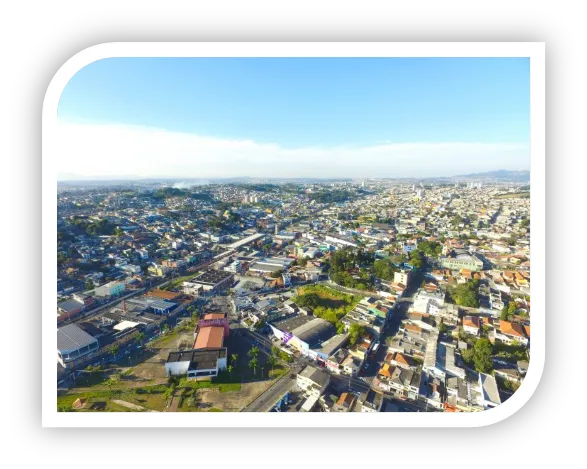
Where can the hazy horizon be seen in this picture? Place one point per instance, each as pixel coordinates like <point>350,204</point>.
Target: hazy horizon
<point>294,118</point>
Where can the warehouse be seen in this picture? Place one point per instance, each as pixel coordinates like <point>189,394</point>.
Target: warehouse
<point>196,364</point>
<point>72,343</point>
<point>214,280</point>
<point>303,332</point>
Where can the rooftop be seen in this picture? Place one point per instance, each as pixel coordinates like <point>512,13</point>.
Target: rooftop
<point>210,337</point>
<point>71,337</point>
<point>212,277</point>
<point>314,374</point>
<point>199,359</point>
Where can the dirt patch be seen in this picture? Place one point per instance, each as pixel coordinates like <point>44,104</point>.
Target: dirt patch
<point>232,401</point>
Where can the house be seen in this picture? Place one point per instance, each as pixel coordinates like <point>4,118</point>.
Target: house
<point>371,401</point>
<point>312,381</point>
<point>471,325</point>
<point>508,374</point>
<point>406,382</point>
<point>511,332</point>
<point>345,403</point>
<point>196,364</point>
<point>403,361</point>
<point>73,343</point>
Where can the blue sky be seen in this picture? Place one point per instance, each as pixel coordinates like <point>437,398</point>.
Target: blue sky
<point>470,113</point>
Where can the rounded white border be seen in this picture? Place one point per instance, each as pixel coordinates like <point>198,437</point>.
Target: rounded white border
<point>536,53</point>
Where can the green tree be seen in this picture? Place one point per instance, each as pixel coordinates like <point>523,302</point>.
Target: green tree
<point>253,352</point>
<point>89,284</point>
<point>234,358</point>
<point>230,368</point>
<point>356,331</point>
<point>253,363</point>
<point>113,349</point>
<point>416,259</point>
<point>276,274</point>
<point>482,355</point>
<point>140,337</point>
<point>272,360</point>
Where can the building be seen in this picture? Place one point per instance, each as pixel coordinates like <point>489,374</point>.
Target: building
<point>213,280</point>
<point>462,260</point>
<point>312,381</point>
<point>110,289</point>
<point>73,343</point>
<point>489,391</point>
<point>236,267</point>
<point>371,401</point>
<point>303,333</point>
<point>209,337</point>
<point>402,277</point>
<point>197,364</point>
<point>471,325</point>
<point>429,302</point>
<point>511,332</point>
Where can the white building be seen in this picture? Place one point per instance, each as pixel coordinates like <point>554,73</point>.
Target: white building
<point>489,391</point>
<point>110,289</point>
<point>401,277</point>
<point>196,364</point>
<point>312,381</point>
<point>73,343</point>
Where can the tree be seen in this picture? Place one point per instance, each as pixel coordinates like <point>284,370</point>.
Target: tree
<point>234,358</point>
<point>416,259</point>
<point>272,360</point>
<point>482,356</point>
<point>230,368</point>
<point>140,337</point>
<point>253,352</point>
<point>89,284</point>
<point>356,331</point>
<point>442,328</point>
<point>253,363</point>
<point>113,349</point>
<point>275,351</point>
<point>276,274</point>
<point>303,261</point>
<point>340,328</point>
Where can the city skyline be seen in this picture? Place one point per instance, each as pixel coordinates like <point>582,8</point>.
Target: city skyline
<point>277,118</point>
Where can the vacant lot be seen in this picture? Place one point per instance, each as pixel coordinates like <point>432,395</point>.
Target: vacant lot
<point>145,386</point>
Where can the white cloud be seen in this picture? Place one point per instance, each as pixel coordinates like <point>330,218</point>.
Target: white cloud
<point>89,150</point>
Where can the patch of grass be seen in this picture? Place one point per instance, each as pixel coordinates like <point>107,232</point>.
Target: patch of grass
<point>278,372</point>
<point>229,387</point>
<point>215,409</point>
<point>90,379</point>
<point>177,282</point>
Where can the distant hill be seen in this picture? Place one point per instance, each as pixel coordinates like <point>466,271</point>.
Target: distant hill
<point>500,174</point>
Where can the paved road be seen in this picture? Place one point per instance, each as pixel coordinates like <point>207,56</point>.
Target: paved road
<point>266,401</point>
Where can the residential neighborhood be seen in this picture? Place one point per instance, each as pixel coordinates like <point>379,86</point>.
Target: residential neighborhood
<point>366,295</point>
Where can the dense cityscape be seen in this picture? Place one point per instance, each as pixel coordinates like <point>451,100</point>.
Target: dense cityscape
<point>357,295</point>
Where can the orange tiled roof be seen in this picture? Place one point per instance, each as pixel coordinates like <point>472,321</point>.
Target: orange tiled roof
<point>511,328</point>
<point>471,321</point>
<point>209,337</point>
